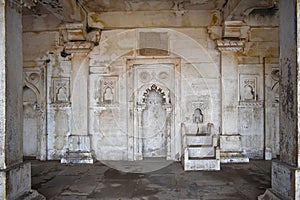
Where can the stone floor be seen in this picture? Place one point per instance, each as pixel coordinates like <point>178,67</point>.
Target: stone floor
<point>97,181</point>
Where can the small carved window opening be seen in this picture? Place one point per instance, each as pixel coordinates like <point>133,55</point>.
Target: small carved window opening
<point>61,95</point>
<point>108,95</point>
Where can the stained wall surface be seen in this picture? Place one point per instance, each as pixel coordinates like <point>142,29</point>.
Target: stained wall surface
<point>183,59</point>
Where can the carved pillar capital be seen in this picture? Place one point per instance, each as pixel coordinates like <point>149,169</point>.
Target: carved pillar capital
<point>73,38</point>
<point>78,47</point>
<point>235,45</point>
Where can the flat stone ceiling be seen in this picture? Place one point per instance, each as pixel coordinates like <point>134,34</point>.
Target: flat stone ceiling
<point>65,7</point>
<point>151,5</point>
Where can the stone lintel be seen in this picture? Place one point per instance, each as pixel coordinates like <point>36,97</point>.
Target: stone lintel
<point>235,45</point>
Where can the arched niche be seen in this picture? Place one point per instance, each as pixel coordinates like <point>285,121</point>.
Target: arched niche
<point>30,122</point>
<point>154,122</point>
<point>34,108</point>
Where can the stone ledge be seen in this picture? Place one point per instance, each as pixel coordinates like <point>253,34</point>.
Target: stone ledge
<point>243,159</point>
<point>77,158</point>
<point>202,165</point>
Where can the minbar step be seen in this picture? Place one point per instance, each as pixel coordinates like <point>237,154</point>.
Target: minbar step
<point>198,140</point>
<point>201,152</point>
<point>202,165</point>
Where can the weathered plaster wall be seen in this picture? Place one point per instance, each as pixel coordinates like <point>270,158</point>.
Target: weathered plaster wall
<point>258,118</point>
<point>200,85</point>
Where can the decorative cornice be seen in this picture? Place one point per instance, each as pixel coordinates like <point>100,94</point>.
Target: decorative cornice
<point>60,105</point>
<point>79,47</point>
<point>251,103</point>
<point>235,45</point>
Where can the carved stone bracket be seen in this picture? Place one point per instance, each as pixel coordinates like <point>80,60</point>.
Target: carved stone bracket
<point>235,45</point>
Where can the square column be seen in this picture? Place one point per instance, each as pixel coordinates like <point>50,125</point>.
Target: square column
<point>15,175</point>
<point>286,171</point>
<point>79,145</point>
<point>230,140</point>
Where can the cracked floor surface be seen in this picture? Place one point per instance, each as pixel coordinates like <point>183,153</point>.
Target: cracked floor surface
<point>97,181</point>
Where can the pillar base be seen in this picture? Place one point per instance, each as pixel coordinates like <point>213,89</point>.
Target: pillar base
<point>16,183</point>
<point>285,180</point>
<point>231,149</point>
<point>79,150</point>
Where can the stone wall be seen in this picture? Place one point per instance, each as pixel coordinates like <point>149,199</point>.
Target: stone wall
<point>197,85</point>
<point>111,109</point>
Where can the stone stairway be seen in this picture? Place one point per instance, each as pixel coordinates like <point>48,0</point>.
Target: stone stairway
<point>201,152</point>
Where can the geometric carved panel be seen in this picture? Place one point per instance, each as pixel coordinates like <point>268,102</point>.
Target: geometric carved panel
<point>60,90</point>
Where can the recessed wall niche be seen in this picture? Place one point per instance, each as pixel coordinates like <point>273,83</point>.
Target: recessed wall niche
<point>248,87</point>
<point>106,91</point>
<point>60,90</point>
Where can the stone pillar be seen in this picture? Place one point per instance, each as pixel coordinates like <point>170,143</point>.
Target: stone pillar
<point>286,171</point>
<point>230,140</point>
<point>79,146</point>
<point>15,175</point>
<point>168,109</point>
<point>139,139</point>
